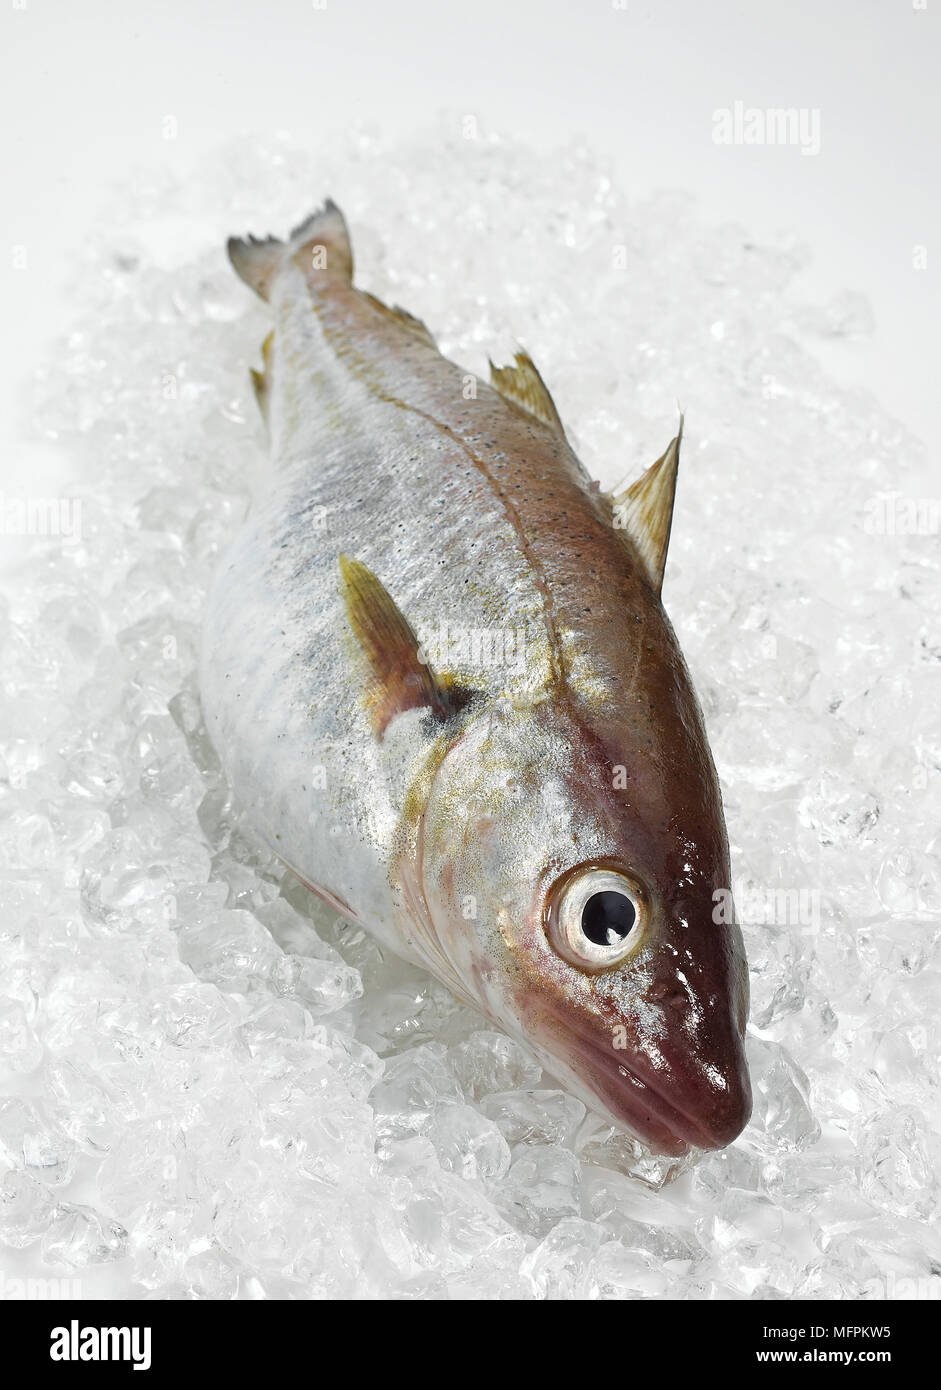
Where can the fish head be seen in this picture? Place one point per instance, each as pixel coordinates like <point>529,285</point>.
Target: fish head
<point>575,869</point>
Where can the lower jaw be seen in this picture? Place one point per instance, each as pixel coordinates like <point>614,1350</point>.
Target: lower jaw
<point>660,1123</point>
<point>644,1115</point>
<point>655,1121</point>
<point>653,1133</point>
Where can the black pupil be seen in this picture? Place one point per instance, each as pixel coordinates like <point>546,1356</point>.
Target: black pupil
<point>607,918</point>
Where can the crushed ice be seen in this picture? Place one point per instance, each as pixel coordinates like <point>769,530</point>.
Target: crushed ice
<point>213,1088</point>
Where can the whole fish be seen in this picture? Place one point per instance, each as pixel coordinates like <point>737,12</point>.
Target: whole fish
<point>438,673</point>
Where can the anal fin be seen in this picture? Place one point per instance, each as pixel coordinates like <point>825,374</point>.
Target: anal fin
<point>261,381</point>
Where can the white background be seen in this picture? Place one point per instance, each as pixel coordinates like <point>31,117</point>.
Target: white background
<point>86,88</point>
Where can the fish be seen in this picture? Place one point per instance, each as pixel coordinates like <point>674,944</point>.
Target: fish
<point>440,679</point>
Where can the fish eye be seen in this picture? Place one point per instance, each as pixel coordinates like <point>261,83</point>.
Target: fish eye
<point>596,917</point>
<point>608,917</point>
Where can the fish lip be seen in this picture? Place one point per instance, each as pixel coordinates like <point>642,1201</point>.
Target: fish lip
<point>667,1128</point>
<point>685,1129</point>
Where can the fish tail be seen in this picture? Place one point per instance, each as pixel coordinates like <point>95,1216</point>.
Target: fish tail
<point>319,245</point>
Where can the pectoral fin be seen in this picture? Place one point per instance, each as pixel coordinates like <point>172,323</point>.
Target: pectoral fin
<point>645,510</point>
<point>401,680</point>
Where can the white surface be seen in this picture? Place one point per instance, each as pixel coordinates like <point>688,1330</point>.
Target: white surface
<point>86,90</point>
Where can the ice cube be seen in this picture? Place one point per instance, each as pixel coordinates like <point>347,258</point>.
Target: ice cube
<point>20,1049</point>
<point>541,1188</point>
<point>81,1236</point>
<point>33,1142</point>
<point>491,1061</point>
<point>469,1144</point>
<point>26,1209</point>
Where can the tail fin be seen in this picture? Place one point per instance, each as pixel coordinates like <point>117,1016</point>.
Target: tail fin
<point>319,245</point>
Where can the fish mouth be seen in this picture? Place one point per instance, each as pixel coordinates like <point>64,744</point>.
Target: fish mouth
<point>626,1093</point>
<point>662,1124</point>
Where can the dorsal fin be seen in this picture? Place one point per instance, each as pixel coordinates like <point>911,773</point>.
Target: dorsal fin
<point>262,380</point>
<point>523,385</point>
<point>645,509</point>
<point>400,679</point>
<point>401,316</point>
